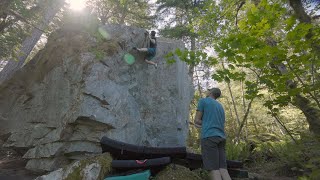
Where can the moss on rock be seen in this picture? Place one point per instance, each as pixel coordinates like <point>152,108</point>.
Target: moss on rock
<point>177,172</point>
<point>103,160</point>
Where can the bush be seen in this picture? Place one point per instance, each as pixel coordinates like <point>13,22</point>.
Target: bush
<point>290,158</point>
<point>239,151</point>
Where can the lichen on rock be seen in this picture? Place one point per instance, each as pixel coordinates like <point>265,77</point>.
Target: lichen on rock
<point>177,172</point>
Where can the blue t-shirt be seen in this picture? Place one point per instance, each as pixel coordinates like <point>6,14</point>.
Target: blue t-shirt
<point>213,118</point>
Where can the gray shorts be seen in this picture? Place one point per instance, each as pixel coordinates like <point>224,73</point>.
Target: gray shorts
<point>213,153</point>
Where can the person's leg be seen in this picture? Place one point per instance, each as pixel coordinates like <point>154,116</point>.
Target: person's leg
<point>150,62</point>
<point>215,175</point>
<point>210,157</point>
<point>150,55</point>
<point>224,174</point>
<point>223,161</point>
<point>142,49</point>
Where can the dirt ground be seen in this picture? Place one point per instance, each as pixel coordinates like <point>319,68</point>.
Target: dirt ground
<point>261,173</point>
<point>12,166</point>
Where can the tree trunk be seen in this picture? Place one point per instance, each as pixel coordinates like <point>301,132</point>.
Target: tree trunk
<point>29,43</point>
<point>309,109</point>
<point>4,7</point>
<point>244,120</point>
<point>234,125</point>
<point>299,11</point>
<point>193,48</point>
<point>311,112</point>
<point>198,84</point>
<point>232,98</point>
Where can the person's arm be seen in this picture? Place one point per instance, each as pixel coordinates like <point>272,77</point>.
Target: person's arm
<point>152,40</point>
<point>198,119</point>
<point>199,113</point>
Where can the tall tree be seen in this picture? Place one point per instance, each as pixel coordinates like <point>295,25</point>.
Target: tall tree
<point>134,13</point>
<point>49,10</point>
<point>16,19</point>
<point>281,48</point>
<point>179,25</point>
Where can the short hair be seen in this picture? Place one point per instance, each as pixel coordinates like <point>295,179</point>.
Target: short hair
<point>216,92</point>
<point>153,33</point>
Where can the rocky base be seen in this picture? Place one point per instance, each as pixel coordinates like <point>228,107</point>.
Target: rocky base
<point>88,169</point>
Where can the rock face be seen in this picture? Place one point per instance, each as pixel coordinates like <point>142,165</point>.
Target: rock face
<point>80,88</point>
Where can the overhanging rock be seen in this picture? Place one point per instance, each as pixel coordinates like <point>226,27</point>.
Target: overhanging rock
<point>79,88</point>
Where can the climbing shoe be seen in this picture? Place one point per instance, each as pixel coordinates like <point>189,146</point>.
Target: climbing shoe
<point>135,48</point>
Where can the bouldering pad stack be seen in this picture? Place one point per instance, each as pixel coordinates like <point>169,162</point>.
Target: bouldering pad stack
<point>150,159</point>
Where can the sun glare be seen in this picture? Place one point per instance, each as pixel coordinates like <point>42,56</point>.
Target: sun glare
<point>77,5</point>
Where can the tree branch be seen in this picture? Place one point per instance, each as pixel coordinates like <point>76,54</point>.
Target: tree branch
<point>303,84</point>
<point>299,11</point>
<point>238,9</point>
<point>18,16</point>
<point>245,117</point>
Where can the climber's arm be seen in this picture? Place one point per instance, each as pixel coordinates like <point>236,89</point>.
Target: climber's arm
<point>199,113</point>
<point>198,119</point>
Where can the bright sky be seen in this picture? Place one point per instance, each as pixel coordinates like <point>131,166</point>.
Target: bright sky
<point>77,5</point>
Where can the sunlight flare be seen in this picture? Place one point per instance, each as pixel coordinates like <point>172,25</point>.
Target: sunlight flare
<point>128,58</point>
<point>77,5</point>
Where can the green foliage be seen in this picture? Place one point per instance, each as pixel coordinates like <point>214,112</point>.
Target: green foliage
<point>180,25</point>
<point>177,172</point>
<point>299,158</point>
<point>262,45</point>
<point>99,54</point>
<point>15,25</point>
<point>170,58</point>
<point>133,13</point>
<point>239,151</point>
<point>178,32</point>
<point>203,174</point>
<point>227,75</point>
<point>190,57</point>
<point>267,43</point>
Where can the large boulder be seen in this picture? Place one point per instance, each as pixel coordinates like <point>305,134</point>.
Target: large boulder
<point>83,85</point>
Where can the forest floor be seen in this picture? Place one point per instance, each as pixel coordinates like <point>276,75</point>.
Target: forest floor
<point>12,166</point>
<point>268,172</point>
<point>260,175</point>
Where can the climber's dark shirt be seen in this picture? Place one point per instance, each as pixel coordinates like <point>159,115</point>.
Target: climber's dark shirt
<point>153,45</point>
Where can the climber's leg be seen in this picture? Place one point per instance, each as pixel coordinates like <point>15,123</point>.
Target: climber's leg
<point>215,175</point>
<point>150,62</point>
<point>142,49</point>
<point>224,174</point>
<point>150,55</point>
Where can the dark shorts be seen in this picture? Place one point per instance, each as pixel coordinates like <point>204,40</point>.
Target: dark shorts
<point>213,153</point>
<point>151,53</point>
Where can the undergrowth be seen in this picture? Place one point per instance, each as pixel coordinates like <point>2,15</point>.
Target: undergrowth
<point>286,157</point>
<point>298,158</point>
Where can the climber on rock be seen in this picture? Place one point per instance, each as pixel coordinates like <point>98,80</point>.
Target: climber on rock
<point>151,50</point>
